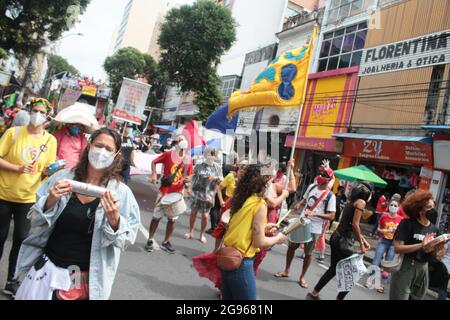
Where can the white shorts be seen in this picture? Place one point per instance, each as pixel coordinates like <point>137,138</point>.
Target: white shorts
<point>158,212</point>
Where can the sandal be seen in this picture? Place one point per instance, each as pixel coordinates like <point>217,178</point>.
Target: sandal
<point>303,284</point>
<point>281,274</point>
<point>380,290</point>
<point>188,236</point>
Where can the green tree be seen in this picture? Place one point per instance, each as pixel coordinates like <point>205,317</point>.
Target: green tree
<point>3,54</point>
<point>157,79</point>
<point>127,62</point>
<point>28,25</point>
<point>57,64</point>
<point>192,40</point>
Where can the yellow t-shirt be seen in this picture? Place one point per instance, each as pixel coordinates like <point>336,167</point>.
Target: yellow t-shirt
<point>23,149</point>
<point>229,183</point>
<point>239,233</point>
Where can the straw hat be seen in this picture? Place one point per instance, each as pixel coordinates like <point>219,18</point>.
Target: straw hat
<point>79,113</point>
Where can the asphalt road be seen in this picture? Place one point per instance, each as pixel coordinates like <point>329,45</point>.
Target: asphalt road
<point>163,276</point>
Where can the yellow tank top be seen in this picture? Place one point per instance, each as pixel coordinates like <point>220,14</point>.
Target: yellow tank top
<point>239,234</point>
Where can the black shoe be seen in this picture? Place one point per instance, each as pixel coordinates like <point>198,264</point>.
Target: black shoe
<point>209,231</point>
<point>11,288</point>
<point>149,246</point>
<point>166,246</point>
<point>309,296</point>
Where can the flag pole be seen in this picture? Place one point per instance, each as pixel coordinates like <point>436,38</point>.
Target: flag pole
<point>300,109</point>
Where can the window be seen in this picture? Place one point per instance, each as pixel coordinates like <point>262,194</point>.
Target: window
<point>228,86</point>
<point>342,48</point>
<point>341,9</point>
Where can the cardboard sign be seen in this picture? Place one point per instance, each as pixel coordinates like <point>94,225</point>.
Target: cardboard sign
<point>131,101</point>
<point>349,271</point>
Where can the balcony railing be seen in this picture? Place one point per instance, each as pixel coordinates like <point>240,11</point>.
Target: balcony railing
<point>302,18</point>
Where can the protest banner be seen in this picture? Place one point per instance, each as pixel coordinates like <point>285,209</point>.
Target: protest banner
<point>349,271</point>
<point>131,101</point>
<point>68,97</point>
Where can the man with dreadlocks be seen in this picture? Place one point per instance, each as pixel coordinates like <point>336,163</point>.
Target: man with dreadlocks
<point>25,153</point>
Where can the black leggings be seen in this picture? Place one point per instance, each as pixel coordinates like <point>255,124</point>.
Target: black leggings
<point>336,256</point>
<point>21,228</point>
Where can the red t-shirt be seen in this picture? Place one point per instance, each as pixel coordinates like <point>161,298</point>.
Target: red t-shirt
<point>386,222</point>
<point>382,204</point>
<point>402,213</point>
<point>170,160</point>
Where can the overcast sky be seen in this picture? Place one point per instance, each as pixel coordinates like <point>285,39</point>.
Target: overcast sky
<point>88,52</point>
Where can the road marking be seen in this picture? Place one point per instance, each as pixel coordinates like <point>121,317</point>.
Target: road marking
<point>146,235</point>
<point>143,231</point>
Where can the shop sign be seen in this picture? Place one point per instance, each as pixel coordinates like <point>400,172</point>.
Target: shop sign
<point>327,109</point>
<point>441,152</point>
<point>424,51</point>
<point>389,151</point>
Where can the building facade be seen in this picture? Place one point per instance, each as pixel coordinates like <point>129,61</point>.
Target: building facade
<point>399,125</point>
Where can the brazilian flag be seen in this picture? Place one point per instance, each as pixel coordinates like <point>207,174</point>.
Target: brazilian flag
<point>11,100</point>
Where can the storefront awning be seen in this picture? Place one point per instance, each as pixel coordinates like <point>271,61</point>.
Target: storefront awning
<point>383,137</point>
<point>437,128</point>
<point>391,149</point>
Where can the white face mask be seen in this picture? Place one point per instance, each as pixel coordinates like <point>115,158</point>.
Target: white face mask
<point>100,158</point>
<point>36,119</point>
<point>182,144</point>
<point>393,209</point>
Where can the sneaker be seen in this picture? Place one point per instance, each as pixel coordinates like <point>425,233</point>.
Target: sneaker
<point>321,259</point>
<point>11,288</point>
<point>149,246</point>
<point>166,246</point>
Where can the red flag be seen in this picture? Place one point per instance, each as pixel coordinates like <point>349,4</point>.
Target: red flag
<point>192,134</point>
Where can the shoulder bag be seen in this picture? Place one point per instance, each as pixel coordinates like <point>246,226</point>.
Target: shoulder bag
<point>230,258</point>
<point>166,182</point>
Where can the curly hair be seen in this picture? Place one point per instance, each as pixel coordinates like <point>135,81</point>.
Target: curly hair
<point>113,171</point>
<point>250,183</point>
<point>415,203</point>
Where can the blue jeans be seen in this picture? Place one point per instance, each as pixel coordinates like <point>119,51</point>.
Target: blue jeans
<point>442,294</point>
<point>240,284</point>
<point>384,246</point>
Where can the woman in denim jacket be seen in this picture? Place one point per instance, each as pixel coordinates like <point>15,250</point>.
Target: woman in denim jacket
<point>75,241</point>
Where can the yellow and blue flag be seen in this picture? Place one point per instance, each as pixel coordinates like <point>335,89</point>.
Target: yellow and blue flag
<point>281,84</point>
